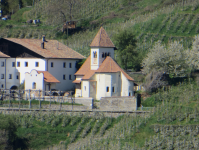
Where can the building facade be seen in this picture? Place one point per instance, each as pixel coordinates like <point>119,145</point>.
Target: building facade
<point>100,76</point>
<point>18,56</point>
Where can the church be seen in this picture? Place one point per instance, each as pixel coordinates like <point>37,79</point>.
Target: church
<point>100,76</point>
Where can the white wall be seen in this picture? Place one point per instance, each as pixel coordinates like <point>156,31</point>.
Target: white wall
<point>13,71</point>
<point>127,86</point>
<point>79,77</point>
<point>58,71</point>
<point>2,71</point>
<point>107,50</point>
<point>33,76</point>
<point>99,56</point>
<point>31,65</point>
<point>93,65</point>
<point>85,92</point>
<point>105,80</point>
<point>78,90</point>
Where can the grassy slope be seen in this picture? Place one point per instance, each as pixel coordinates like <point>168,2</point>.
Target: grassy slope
<point>39,130</point>
<point>150,20</point>
<point>174,120</point>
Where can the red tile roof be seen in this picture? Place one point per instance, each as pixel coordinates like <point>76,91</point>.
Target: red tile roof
<point>77,81</point>
<point>102,39</point>
<point>2,55</point>
<point>49,77</point>
<point>85,67</point>
<point>108,66</point>
<point>53,48</point>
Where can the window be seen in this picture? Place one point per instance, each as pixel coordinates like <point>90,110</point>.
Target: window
<point>103,55</point>
<point>108,54</point>
<point>107,89</point>
<point>10,76</point>
<point>33,85</point>
<point>36,64</point>
<point>2,76</point>
<point>2,86</point>
<point>2,64</point>
<point>17,77</point>
<point>13,64</point>
<point>64,65</point>
<point>70,65</point>
<point>70,77</point>
<point>26,64</point>
<point>64,77</point>
<point>113,89</point>
<point>18,64</point>
<point>52,64</point>
<point>94,54</point>
<point>84,88</point>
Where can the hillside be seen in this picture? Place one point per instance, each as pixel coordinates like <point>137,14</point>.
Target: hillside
<point>150,21</point>
<point>172,124</point>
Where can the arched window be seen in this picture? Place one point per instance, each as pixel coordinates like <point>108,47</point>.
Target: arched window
<point>108,54</point>
<point>105,54</point>
<point>94,54</point>
<point>33,85</point>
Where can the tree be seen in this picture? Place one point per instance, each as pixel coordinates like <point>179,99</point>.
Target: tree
<point>193,54</point>
<point>126,44</point>
<point>171,60</point>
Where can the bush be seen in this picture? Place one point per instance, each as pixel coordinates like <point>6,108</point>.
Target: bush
<point>149,102</point>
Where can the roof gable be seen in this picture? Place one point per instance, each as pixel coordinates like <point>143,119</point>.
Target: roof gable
<point>84,68</point>
<point>102,39</point>
<point>109,65</point>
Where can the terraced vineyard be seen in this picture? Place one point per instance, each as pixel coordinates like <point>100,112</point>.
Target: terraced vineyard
<point>178,21</point>
<point>174,124</point>
<point>46,129</point>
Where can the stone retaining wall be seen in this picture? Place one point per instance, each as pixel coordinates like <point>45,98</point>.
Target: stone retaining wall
<point>118,103</point>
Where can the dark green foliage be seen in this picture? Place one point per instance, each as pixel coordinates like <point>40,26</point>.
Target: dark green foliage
<point>125,42</point>
<point>80,63</point>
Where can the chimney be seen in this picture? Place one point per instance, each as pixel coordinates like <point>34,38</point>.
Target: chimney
<point>57,45</point>
<point>43,38</point>
<point>42,45</point>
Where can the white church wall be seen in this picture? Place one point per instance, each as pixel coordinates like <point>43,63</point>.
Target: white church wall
<point>101,89</point>
<point>105,50</point>
<point>94,62</point>
<point>116,83</point>
<point>127,86</point>
<point>109,80</point>
<point>85,88</point>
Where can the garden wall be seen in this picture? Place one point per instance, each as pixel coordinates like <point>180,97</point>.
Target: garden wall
<point>118,103</point>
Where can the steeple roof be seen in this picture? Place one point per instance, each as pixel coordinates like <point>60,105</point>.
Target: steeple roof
<point>102,39</point>
<point>108,66</point>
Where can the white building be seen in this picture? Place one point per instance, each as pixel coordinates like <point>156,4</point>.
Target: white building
<point>100,76</point>
<point>18,56</point>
